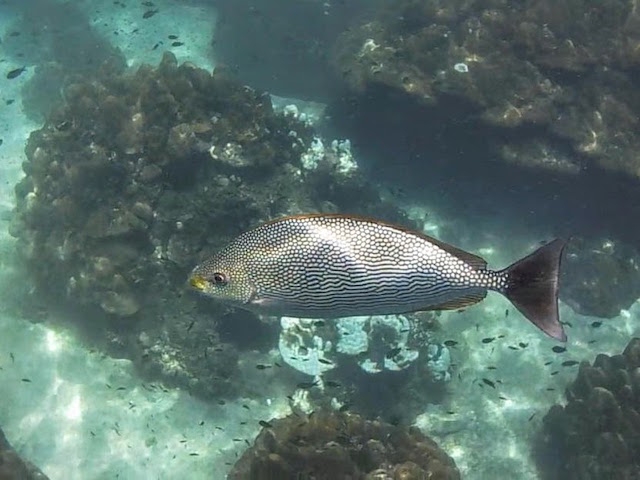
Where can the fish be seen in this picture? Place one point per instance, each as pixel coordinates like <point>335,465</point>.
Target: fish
<point>16,72</point>
<point>333,266</point>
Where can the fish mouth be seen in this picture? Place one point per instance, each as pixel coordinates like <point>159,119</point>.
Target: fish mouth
<point>198,282</point>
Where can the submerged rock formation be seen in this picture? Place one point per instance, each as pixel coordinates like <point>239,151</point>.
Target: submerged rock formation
<point>595,436</point>
<point>332,445</point>
<point>551,83</point>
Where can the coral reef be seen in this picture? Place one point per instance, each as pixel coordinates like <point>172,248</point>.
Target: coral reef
<point>600,277</point>
<point>12,467</point>
<point>391,357</point>
<point>337,445</point>
<point>551,84</point>
<point>595,436</point>
<point>137,177</point>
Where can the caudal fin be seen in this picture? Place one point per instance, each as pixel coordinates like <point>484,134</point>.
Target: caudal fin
<point>532,286</point>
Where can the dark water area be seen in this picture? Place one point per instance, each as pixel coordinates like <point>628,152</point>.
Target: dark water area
<point>451,161</point>
<point>154,304</point>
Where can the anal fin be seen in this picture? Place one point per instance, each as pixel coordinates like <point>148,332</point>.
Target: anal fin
<point>461,302</point>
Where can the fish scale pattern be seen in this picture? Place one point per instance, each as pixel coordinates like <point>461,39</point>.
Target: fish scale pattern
<point>334,266</point>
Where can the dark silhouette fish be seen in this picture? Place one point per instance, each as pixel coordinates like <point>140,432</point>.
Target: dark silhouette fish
<point>331,266</point>
<point>16,72</point>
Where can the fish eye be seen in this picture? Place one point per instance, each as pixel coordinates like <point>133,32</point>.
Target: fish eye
<point>220,279</point>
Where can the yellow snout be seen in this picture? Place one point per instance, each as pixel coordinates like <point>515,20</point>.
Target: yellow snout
<point>198,282</point>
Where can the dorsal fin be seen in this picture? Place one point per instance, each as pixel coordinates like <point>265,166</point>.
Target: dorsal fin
<point>478,263</point>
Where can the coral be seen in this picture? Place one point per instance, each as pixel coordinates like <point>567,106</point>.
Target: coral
<point>331,445</point>
<point>378,343</point>
<point>595,436</point>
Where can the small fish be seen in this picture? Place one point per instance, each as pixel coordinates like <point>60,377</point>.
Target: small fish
<point>10,101</point>
<point>492,368</point>
<point>1,141</point>
<point>488,339</point>
<point>16,72</point>
<point>523,345</point>
<point>547,363</point>
<point>177,44</point>
<point>26,380</point>
<point>555,372</point>
<point>306,385</point>
<point>63,126</point>
<point>149,13</point>
<point>262,366</point>
<point>172,37</point>
<point>332,262</point>
<point>265,424</point>
<point>486,381</point>
<point>533,415</point>
<point>450,343</point>
<point>319,323</point>
<point>558,349</point>
<point>194,454</point>
<point>570,363</point>
<point>325,361</point>
<point>331,384</point>
<point>596,324</point>
<point>191,325</point>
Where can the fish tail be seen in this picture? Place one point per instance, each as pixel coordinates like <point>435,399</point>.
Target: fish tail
<point>532,287</point>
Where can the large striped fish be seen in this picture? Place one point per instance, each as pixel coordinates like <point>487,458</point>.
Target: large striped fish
<point>330,266</point>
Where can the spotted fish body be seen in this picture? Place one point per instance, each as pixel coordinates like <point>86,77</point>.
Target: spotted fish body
<point>330,266</point>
